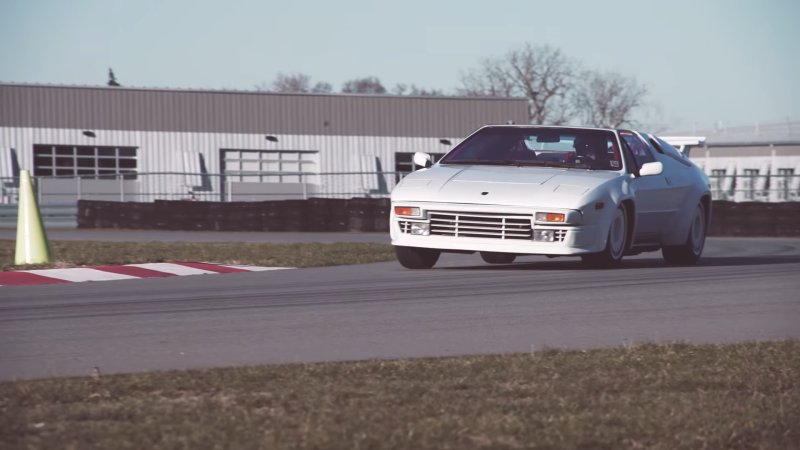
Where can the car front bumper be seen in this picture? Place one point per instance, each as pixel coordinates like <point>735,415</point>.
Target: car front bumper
<point>482,228</point>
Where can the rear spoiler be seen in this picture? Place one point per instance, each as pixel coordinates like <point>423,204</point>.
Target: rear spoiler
<point>684,143</point>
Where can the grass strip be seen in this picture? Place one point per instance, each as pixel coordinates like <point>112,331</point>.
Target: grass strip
<point>88,253</point>
<point>667,396</point>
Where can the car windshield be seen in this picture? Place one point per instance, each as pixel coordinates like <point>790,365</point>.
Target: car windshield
<point>546,147</point>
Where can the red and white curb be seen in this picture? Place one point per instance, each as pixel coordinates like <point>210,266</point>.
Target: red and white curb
<point>126,272</point>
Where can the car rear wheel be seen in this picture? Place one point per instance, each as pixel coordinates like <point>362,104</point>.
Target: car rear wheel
<point>498,258</point>
<point>690,251</point>
<point>611,256</point>
<point>416,258</point>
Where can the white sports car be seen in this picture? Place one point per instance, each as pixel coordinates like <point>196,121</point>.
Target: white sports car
<point>559,191</point>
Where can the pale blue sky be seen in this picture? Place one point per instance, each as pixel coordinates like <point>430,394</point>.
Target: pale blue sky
<point>703,61</point>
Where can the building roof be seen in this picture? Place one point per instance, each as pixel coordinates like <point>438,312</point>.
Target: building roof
<point>124,108</point>
<point>779,133</point>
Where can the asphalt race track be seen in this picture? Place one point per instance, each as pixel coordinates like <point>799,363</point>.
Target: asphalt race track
<point>744,289</point>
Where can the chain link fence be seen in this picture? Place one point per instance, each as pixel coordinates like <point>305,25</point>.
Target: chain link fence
<point>243,186</point>
<point>148,187</point>
<point>755,187</point>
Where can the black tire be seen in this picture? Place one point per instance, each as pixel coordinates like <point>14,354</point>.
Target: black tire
<point>416,258</point>
<point>616,243</point>
<point>689,252</point>
<point>498,258</point>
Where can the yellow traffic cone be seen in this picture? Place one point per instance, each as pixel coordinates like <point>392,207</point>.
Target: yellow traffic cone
<point>32,245</point>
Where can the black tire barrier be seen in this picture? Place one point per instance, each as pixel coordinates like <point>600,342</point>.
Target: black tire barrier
<point>326,214</point>
<point>361,214</point>
<point>314,214</point>
<point>755,219</point>
<point>366,214</point>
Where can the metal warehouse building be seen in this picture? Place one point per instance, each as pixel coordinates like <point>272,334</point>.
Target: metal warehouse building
<point>751,163</point>
<point>130,144</point>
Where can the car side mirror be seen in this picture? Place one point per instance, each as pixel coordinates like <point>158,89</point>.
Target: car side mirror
<point>423,159</point>
<point>651,168</point>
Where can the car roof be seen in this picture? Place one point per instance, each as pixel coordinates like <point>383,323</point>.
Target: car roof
<point>534,127</point>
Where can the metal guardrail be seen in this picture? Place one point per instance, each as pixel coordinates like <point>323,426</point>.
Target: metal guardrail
<point>53,216</point>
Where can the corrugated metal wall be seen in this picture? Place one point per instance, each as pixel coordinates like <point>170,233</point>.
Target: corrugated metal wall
<point>163,152</point>
<point>350,133</point>
<point>345,130</point>
<point>117,108</point>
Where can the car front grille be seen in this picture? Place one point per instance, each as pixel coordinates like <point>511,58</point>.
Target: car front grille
<point>481,225</point>
<point>405,226</point>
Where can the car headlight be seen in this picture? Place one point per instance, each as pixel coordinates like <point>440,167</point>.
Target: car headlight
<point>544,235</point>
<point>420,228</point>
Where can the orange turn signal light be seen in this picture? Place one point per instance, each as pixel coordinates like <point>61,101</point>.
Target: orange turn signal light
<point>551,217</point>
<point>406,211</point>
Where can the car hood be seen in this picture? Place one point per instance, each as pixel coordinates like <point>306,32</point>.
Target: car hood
<point>501,185</point>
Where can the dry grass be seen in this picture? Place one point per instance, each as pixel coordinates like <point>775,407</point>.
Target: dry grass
<point>651,396</point>
<point>87,253</point>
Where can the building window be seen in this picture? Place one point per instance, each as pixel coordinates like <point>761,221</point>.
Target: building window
<point>783,183</point>
<point>404,163</point>
<point>748,183</point>
<point>269,166</point>
<point>717,177</point>
<point>84,160</point>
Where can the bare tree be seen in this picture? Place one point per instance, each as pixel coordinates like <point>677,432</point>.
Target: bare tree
<point>423,92</point>
<point>607,99</point>
<point>295,82</point>
<point>400,89</point>
<point>540,73</point>
<point>413,89</point>
<point>366,85</point>
<point>322,87</point>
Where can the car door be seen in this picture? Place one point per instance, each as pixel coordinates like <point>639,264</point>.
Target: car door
<point>678,171</point>
<point>654,207</point>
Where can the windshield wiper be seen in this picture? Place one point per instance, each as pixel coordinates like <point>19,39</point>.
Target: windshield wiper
<point>511,162</point>
<point>543,163</point>
<point>488,162</point>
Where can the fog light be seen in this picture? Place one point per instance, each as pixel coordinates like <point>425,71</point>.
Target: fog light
<point>420,228</point>
<point>544,235</point>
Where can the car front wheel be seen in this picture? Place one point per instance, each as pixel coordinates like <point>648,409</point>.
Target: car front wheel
<point>498,258</point>
<point>690,251</point>
<point>416,258</point>
<point>611,256</point>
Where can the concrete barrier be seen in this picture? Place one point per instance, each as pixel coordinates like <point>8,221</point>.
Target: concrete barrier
<point>366,214</point>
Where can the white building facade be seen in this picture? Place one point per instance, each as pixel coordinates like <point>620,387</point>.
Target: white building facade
<point>758,163</point>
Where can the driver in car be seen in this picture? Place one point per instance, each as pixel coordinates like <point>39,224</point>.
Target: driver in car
<point>591,151</point>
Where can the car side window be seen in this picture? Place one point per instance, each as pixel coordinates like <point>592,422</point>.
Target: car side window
<point>640,151</point>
